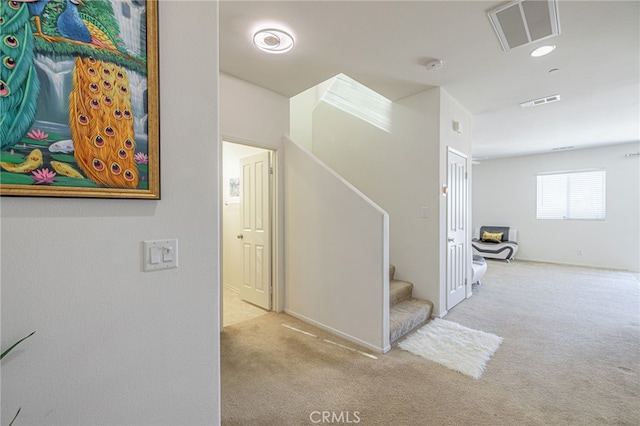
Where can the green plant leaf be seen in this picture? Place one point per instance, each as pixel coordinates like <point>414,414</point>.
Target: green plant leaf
<point>16,416</point>
<point>13,346</point>
<point>7,178</point>
<point>75,182</point>
<point>65,158</point>
<point>11,158</point>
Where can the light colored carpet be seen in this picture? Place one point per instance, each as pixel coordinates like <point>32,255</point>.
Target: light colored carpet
<point>455,346</point>
<point>570,356</point>
<point>235,310</point>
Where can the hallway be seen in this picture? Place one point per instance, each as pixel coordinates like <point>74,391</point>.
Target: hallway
<point>235,310</point>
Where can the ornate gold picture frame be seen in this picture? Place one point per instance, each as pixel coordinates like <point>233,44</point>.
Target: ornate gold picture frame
<point>79,112</point>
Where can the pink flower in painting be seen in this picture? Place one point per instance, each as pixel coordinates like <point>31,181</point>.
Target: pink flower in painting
<point>141,158</point>
<point>44,176</point>
<point>37,135</point>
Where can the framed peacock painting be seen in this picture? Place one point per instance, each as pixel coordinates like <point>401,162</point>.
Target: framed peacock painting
<point>79,112</point>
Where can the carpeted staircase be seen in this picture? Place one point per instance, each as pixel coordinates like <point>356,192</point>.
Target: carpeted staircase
<point>406,313</point>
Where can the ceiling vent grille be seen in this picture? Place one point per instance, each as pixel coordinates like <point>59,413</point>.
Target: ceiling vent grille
<point>541,101</point>
<point>522,22</point>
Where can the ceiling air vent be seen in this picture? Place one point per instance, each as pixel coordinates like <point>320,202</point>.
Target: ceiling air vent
<point>541,101</point>
<point>521,22</point>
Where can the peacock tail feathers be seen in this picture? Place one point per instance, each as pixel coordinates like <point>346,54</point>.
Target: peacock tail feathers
<point>101,123</point>
<point>19,84</point>
<point>17,62</point>
<point>13,15</point>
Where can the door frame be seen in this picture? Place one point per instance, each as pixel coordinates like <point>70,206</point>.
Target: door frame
<point>277,222</point>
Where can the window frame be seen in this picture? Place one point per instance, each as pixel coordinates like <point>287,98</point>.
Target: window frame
<point>564,198</point>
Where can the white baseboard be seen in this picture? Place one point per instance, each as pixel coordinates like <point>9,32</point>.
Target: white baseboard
<point>339,333</point>
<point>230,287</point>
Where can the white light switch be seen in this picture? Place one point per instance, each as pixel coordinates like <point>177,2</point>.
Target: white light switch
<point>167,254</point>
<point>155,255</point>
<point>160,254</point>
<point>424,212</point>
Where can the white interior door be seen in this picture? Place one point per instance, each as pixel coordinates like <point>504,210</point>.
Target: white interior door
<point>457,219</point>
<point>255,222</point>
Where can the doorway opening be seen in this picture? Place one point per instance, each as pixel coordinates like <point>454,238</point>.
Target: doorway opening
<point>247,212</point>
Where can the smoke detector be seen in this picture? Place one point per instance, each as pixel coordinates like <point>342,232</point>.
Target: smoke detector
<point>434,65</point>
<point>522,22</point>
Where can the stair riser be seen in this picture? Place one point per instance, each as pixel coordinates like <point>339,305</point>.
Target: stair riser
<point>399,291</point>
<point>407,316</point>
<point>405,313</point>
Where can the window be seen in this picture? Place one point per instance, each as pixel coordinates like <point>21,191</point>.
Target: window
<point>571,195</point>
<point>358,100</point>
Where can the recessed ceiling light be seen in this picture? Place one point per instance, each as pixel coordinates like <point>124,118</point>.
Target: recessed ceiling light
<point>543,50</point>
<point>273,41</point>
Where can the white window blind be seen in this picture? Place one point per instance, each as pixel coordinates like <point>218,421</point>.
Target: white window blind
<point>572,195</point>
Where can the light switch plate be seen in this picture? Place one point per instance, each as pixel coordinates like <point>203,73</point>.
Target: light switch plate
<point>160,254</point>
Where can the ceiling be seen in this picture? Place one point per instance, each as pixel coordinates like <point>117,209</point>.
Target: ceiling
<point>386,44</point>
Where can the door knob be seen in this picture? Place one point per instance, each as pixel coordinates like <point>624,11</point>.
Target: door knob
<point>240,236</point>
<point>451,239</point>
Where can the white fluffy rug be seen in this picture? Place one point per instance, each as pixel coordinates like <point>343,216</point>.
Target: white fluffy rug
<point>453,345</point>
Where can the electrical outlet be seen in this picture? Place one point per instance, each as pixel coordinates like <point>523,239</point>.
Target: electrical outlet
<point>579,252</point>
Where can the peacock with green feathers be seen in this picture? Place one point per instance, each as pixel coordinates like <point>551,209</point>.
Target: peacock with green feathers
<point>19,84</point>
<point>97,13</point>
<point>100,111</point>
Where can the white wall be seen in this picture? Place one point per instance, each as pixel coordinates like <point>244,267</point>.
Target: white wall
<point>505,194</point>
<point>403,171</point>
<point>337,270</point>
<point>252,115</point>
<point>301,120</point>
<point>398,171</point>
<point>115,345</point>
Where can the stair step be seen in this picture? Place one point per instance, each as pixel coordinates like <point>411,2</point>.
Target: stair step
<point>399,291</point>
<point>408,315</point>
